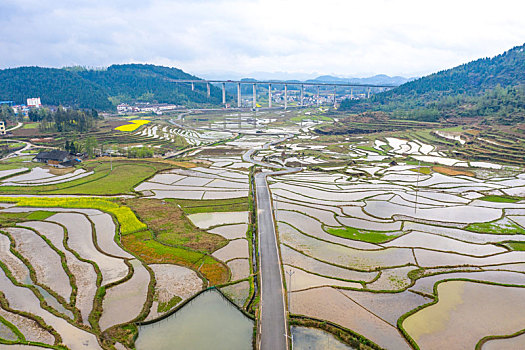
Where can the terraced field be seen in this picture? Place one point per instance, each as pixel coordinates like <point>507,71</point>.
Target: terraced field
<point>391,239</point>
<point>372,252</point>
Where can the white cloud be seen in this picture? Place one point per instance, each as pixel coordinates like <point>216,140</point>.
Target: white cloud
<point>405,37</point>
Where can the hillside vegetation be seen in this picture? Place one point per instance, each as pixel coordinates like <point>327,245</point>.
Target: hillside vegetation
<point>103,89</point>
<point>485,87</point>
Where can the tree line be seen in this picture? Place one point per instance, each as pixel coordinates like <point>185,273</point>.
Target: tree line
<point>486,87</point>
<point>64,120</point>
<point>103,89</point>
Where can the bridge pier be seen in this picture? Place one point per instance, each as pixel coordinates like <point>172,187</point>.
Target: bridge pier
<point>285,96</point>
<point>224,93</point>
<point>238,95</point>
<point>254,86</point>
<point>367,88</point>
<point>335,94</point>
<point>269,95</point>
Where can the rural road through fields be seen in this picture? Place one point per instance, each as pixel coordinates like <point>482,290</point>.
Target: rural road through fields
<point>273,329</point>
<point>273,317</point>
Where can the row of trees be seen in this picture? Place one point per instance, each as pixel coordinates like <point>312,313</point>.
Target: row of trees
<point>91,147</point>
<point>64,120</point>
<point>7,113</point>
<point>88,146</point>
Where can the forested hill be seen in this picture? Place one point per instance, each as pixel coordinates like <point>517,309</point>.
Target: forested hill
<point>102,88</point>
<point>482,87</point>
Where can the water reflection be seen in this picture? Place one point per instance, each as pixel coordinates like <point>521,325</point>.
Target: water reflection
<point>311,338</point>
<point>207,322</point>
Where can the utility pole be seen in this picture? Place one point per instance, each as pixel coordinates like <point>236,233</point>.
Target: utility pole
<point>269,95</point>
<point>238,95</point>
<point>254,96</point>
<point>335,94</point>
<point>224,94</point>
<point>285,96</point>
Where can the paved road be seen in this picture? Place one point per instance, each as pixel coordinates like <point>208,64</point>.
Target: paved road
<point>273,329</point>
<point>273,315</point>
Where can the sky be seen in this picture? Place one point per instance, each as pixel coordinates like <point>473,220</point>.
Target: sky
<point>260,38</point>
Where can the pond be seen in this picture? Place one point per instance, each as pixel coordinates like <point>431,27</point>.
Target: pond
<point>311,338</point>
<point>207,322</point>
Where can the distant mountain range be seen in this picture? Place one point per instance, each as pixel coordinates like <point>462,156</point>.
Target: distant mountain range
<point>380,79</point>
<point>103,89</point>
<point>484,87</point>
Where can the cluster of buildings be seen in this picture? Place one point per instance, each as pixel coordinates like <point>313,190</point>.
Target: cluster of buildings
<point>157,108</point>
<point>33,102</point>
<point>57,158</point>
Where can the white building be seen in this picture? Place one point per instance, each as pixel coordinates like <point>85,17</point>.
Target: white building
<point>34,102</point>
<point>2,127</point>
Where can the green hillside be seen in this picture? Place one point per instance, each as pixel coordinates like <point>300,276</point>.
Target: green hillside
<point>54,86</point>
<point>485,87</point>
<point>103,89</point>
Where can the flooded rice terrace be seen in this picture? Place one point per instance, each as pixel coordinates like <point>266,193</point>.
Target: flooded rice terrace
<point>209,321</point>
<point>311,338</point>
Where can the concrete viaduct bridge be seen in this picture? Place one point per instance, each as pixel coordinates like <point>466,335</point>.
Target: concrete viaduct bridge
<point>302,85</point>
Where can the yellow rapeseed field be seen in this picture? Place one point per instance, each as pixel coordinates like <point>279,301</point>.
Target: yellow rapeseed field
<point>135,124</point>
<point>127,220</point>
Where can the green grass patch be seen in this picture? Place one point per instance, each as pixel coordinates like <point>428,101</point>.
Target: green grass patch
<point>371,149</point>
<point>13,218</point>
<point>453,129</point>
<point>30,126</point>
<point>126,218</point>
<point>16,144</point>
<point>386,148</point>
<point>170,225</point>
<point>22,160</point>
<point>10,166</point>
<point>167,306</point>
<point>515,245</point>
<point>121,180</point>
<point>148,249</point>
<point>191,206</point>
<point>424,170</point>
<point>497,227</point>
<point>501,199</point>
<point>360,235</point>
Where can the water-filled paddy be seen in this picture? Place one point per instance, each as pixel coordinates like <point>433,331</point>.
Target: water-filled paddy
<point>207,322</point>
<point>311,339</point>
<point>80,239</point>
<point>330,304</point>
<point>443,325</point>
<point>207,220</point>
<point>294,258</point>
<point>45,261</point>
<point>124,302</point>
